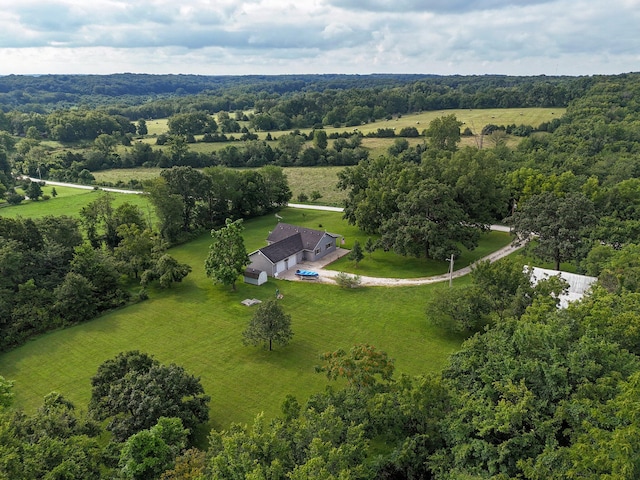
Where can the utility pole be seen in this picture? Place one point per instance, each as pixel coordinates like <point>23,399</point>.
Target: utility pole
<point>451,271</point>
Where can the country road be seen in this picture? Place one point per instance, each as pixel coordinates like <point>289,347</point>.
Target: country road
<point>85,187</point>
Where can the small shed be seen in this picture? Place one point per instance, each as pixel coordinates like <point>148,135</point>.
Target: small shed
<point>255,276</point>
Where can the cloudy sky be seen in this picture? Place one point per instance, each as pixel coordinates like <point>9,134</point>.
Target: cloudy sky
<point>514,37</point>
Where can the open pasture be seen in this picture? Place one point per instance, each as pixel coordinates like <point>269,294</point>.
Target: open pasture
<point>473,118</point>
<point>301,180</point>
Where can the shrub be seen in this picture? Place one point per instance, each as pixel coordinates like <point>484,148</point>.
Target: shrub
<point>14,198</point>
<point>345,280</point>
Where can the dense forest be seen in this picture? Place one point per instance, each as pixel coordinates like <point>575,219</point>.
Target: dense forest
<point>535,392</point>
<point>170,94</point>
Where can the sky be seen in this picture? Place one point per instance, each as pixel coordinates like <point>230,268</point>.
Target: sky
<point>232,37</point>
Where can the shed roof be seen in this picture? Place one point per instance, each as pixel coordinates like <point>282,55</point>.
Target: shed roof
<point>284,248</point>
<point>252,273</point>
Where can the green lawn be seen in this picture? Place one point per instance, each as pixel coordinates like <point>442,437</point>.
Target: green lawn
<point>69,201</point>
<point>388,264</point>
<point>199,325</point>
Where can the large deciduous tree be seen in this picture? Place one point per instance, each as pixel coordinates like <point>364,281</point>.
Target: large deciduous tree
<point>148,453</point>
<point>101,220</point>
<point>167,270</point>
<point>169,208</point>
<point>429,222</point>
<point>444,133</point>
<point>227,254</point>
<point>133,390</point>
<point>269,324</point>
<point>363,366</point>
<point>559,225</point>
<point>188,184</point>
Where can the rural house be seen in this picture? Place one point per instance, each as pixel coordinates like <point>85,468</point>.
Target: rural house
<point>289,245</point>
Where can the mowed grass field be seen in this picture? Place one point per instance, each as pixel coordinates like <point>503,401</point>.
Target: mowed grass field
<point>199,325</point>
<point>69,201</point>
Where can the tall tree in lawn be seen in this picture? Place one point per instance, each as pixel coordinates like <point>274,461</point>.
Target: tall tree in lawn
<point>34,191</point>
<point>141,127</point>
<point>560,225</point>
<point>227,255</point>
<point>429,222</point>
<point>133,390</point>
<point>269,324</point>
<point>320,139</point>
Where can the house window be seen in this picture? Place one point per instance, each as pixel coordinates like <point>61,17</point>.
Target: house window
<point>329,245</point>
<point>317,251</point>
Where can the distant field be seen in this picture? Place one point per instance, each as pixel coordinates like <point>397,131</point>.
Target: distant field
<point>198,325</point>
<point>301,180</point>
<point>475,119</point>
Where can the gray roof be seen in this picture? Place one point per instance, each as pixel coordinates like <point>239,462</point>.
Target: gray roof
<point>284,248</point>
<point>252,273</point>
<point>579,285</point>
<point>310,238</point>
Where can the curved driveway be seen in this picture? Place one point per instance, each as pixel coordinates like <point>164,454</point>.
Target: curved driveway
<point>328,276</point>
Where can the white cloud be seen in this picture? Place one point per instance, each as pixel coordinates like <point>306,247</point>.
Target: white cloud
<point>317,36</point>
